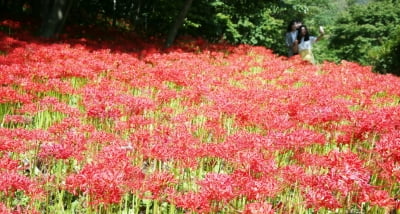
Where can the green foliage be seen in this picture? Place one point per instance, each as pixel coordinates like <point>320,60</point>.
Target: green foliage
<point>239,21</point>
<point>385,58</point>
<point>149,17</point>
<point>316,12</point>
<point>235,21</point>
<point>323,53</point>
<point>363,34</point>
<point>259,28</point>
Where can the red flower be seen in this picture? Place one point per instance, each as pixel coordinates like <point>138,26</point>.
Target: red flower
<point>4,209</point>
<point>217,187</point>
<point>158,182</point>
<point>21,119</point>
<point>320,198</point>
<point>8,164</point>
<point>58,151</point>
<point>255,187</point>
<point>192,201</point>
<point>376,197</point>
<point>258,208</point>
<point>108,179</point>
<point>10,182</point>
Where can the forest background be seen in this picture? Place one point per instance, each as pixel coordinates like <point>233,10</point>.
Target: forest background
<point>363,31</point>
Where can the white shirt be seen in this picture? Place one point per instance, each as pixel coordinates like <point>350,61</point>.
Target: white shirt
<point>307,45</point>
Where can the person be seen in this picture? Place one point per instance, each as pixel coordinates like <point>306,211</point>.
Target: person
<point>291,35</point>
<point>304,43</point>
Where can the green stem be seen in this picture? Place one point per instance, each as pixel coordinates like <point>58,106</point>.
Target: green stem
<point>171,209</point>
<point>136,204</point>
<point>148,204</point>
<point>156,209</point>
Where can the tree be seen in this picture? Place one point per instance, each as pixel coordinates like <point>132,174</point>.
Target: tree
<point>54,14</point>
<point>11,6</point>
<point>178,22</point>
<point>235,21</point>
<point>362,33</point>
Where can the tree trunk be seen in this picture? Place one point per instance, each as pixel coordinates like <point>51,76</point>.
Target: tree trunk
<point>36,8</point>
<point>3,6</point>
<point>11,7</point>
<point>178,23</point>
<point>114,14</point>
<point>54,14</point>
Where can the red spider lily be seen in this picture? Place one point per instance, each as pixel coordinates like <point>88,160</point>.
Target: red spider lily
<point>192,201</point>
<point>134,122</point>
<point>104,184</point>
<point>135,105</point>
<point>25,134</point>
<point>8,44</point>
<point>101,183</point>
<point>321,198</point>
<point>376,197</point>
<point>390,170</point>
<point>103,111</point>
<point>240,141</point>
<point>344,164</point>
<point>51,104</point>
<point>55,105</point>
<point>108,179</point>
<point>10,182</point>
<point>388,146</point>
<point>308,159</point>
<point>388,149</point>
<point>69,125</point>
<point>296,139</point>
<point>165,95</point>
<point>140,139</point>
<point>292,174</point>
<point>217,187</point>
<point>12,145</point>
<point>117,156</point>
<point>331,112</point>
<point>258,208</point>
<point>54,85</point>
<point>113,156</point>
<point>335,160</point>
<point>71,144</point>
<point>276,121</point>
<point>9,95</point>
<point>11,23</point>
<point>21,119</point>
<point>255,187</point>
<point>58,151</point>
<point>4,209</point>
<point>215,128</point>
<point>346,177</point>
<point>166,144</point>
<point>157,184</point>
<point>380,120</point>
<point>8,164</point>
<point>16,210</point>
<point>101,137</point>
<point>108,101</point>
<point>254,163</point>
<point>50,62</point>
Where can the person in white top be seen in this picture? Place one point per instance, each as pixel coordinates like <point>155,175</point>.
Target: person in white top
<point>291,36</point>
<point>304,43</point>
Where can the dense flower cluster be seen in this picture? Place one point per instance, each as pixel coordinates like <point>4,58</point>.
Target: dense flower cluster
<point>119,125</point>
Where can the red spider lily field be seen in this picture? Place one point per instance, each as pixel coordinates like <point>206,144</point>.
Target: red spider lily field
<point>121,125</point>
